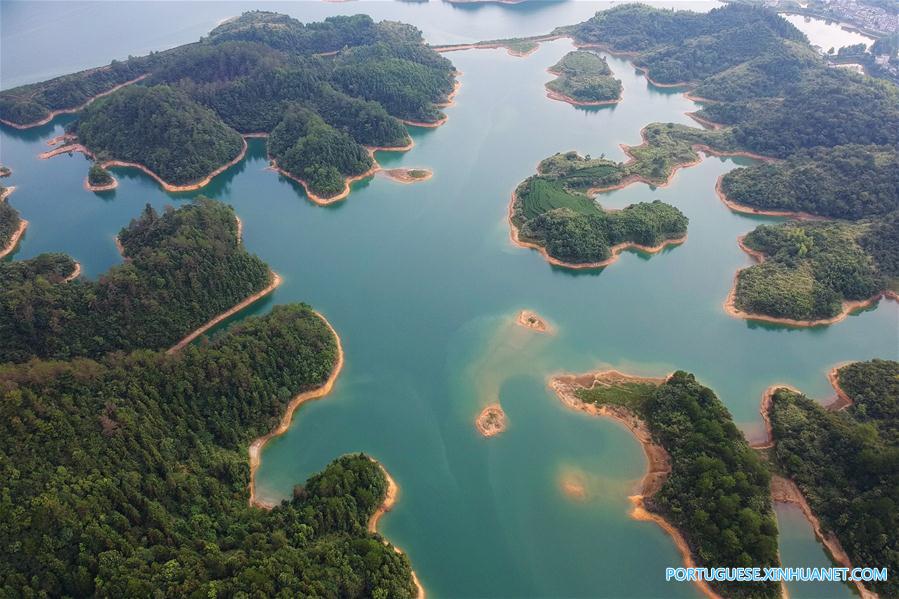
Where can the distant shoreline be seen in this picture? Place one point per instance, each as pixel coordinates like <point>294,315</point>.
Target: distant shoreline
<point>55,113</point>
<point>77,147</point>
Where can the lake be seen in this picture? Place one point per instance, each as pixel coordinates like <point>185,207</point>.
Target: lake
<point>423,285</point>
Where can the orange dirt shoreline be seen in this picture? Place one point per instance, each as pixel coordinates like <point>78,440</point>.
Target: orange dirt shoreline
<point>95,188</point>
<point>18,233</point>
<point>75,273</point>
<point>553,95</point>
<point>659,462</point>
<point>615,249</point>
<point>390,498</point>
<point>276,280</point>
<point>784,490</point>
<point>56,113</point>
<point>849,307</point>
<point>255,449</point>
<point>744,209</point>
<point>76,147</point>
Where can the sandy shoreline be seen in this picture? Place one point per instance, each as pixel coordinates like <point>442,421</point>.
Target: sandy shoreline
<point>491,421</point>
<point>615,250</point>
<point>55,113</point>
<point>658,460</point>
<point>554,95</point>
<point>842,399</point>
<point>75,273</point>
<point>255,449</point>
<point>849,307</point>
<point>96,188</point>
<point>497,45</point>
<point>76,147</point>
<point>276,280</point>
<point>348,181</point>
<point>390,499</point>
<point>18,233</point>
<point>784,490</point>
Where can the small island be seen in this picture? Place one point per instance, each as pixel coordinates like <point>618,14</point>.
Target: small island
<point>5,171</point>
<point>842,460</point>
<point>530,320</point>
<point>552,212</point>
<point>583,78</point>
<point>327,95</point>
<point>491,421</point>
<point>813,273</point>
<point>99,179</point>
<point>408,175</point>
<point>695,453</point>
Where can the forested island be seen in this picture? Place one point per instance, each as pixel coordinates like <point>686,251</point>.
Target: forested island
<point>127,475</point>
<point>333,90</point>
<point>705,485</point>
<point>553,212</point>
<point>814,272</point>
<point>846,462</point>
<point>584,78</point>
<point>182,268</point>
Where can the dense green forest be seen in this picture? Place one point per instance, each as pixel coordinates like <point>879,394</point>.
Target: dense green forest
<point>305,146</point>
<point>9,220</point>
<point>360,77</point>
<point>128,476</point>
<point>98,176</point>
<point>161,128</point>
<point>847,462</point>
<point>586,77</point>
<point>717,493</point>
<point>573,228</point>
<point>765,79</point>
<point>183,267</point>
<point>810,269</point>
<point>32,103</point>
<point>850,182</point>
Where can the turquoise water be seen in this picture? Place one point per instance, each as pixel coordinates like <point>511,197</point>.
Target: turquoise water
<point>423,284</point>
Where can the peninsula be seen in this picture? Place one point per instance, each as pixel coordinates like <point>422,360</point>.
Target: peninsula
<point>812,273</point>
<point>177,427</point>
<point>182,268</point>
<point>327,93</point>
<point>694,452</point>
<point>844,463</point>
<point>12,226</point>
